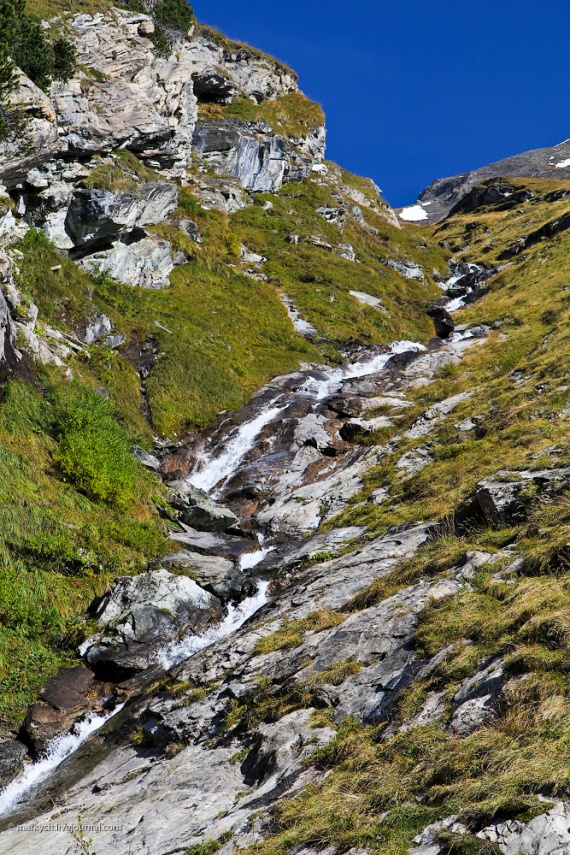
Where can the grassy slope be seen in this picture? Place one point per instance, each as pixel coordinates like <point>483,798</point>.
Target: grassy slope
<point>380,793</point>
<point>227,335</point>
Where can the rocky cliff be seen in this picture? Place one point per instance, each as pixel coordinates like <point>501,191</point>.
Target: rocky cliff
<point>283,481</point>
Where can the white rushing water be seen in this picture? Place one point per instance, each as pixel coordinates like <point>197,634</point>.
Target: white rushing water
<point>178,651</point>
<point>252,559</point>
<point>212,470</point>
<point>58,751</point>
<point>335,377</point>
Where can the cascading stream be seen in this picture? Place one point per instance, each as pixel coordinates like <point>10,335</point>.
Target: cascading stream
<point>210,472</point>
<point>64,746</point>
<point>58,751</point>
<point>213,470</point>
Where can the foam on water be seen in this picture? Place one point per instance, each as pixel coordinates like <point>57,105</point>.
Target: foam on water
<point>213,470</point>
<point>335,377</point>
<point>252,559</point>
<point>178,651</point>
<point>58,751</point>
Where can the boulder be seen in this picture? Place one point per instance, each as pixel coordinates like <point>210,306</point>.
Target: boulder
<point>197,510</point>
<point>145,263</point>
<point>477,698</point>
<point>62,701</point>
<point>442,320</point>
<point>214,574</point>
<point>141,614</point>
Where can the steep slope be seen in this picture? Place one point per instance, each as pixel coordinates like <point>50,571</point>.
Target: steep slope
<point>331,617</point>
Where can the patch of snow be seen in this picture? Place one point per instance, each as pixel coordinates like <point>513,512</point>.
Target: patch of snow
<point>414,214</point>
<point>563,164</point>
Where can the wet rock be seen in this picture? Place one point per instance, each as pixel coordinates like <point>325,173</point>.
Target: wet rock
<point>62,700</point>
<point>213,543</point>
<point>141,614</point>
<point>197,510</point>
<point>214,574</point>
<point>12,754</point>
<point>443,322</point>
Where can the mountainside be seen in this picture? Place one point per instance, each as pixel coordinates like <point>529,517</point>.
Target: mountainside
<point>447,195</point>
<point>284,480</point>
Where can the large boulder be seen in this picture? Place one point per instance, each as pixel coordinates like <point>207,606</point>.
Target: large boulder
<point>62,701</point>
<point>196,509</point>
<point>139,615</point>
<point>213,573</point>
<point>143,263</point>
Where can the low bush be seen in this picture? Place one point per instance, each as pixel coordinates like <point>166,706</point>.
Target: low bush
<point>93,452</point>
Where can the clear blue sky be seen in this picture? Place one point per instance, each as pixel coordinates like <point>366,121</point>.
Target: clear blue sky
<point>419,89</point>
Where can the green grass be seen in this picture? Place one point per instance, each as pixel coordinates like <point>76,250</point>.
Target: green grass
<point>58,547</point>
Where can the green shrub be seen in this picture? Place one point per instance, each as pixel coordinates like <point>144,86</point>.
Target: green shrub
<point>93,452</point>
<point>64,59</point>
<point>174,13</point>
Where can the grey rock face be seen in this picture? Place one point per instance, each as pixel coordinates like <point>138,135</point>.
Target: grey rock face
<point>40,139</point>
<point>244,69</point>
<point>135,98</point>
<point>259,159</point>
<point>198,510</point>
<point>97,216</point>
<point>140,614</point>
<point>214,574</point>
<point>547,834</point>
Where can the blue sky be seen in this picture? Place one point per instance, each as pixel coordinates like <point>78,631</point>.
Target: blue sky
<point>413,90</point>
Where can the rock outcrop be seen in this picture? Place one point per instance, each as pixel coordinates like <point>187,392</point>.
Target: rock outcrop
<point>140,614</point>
